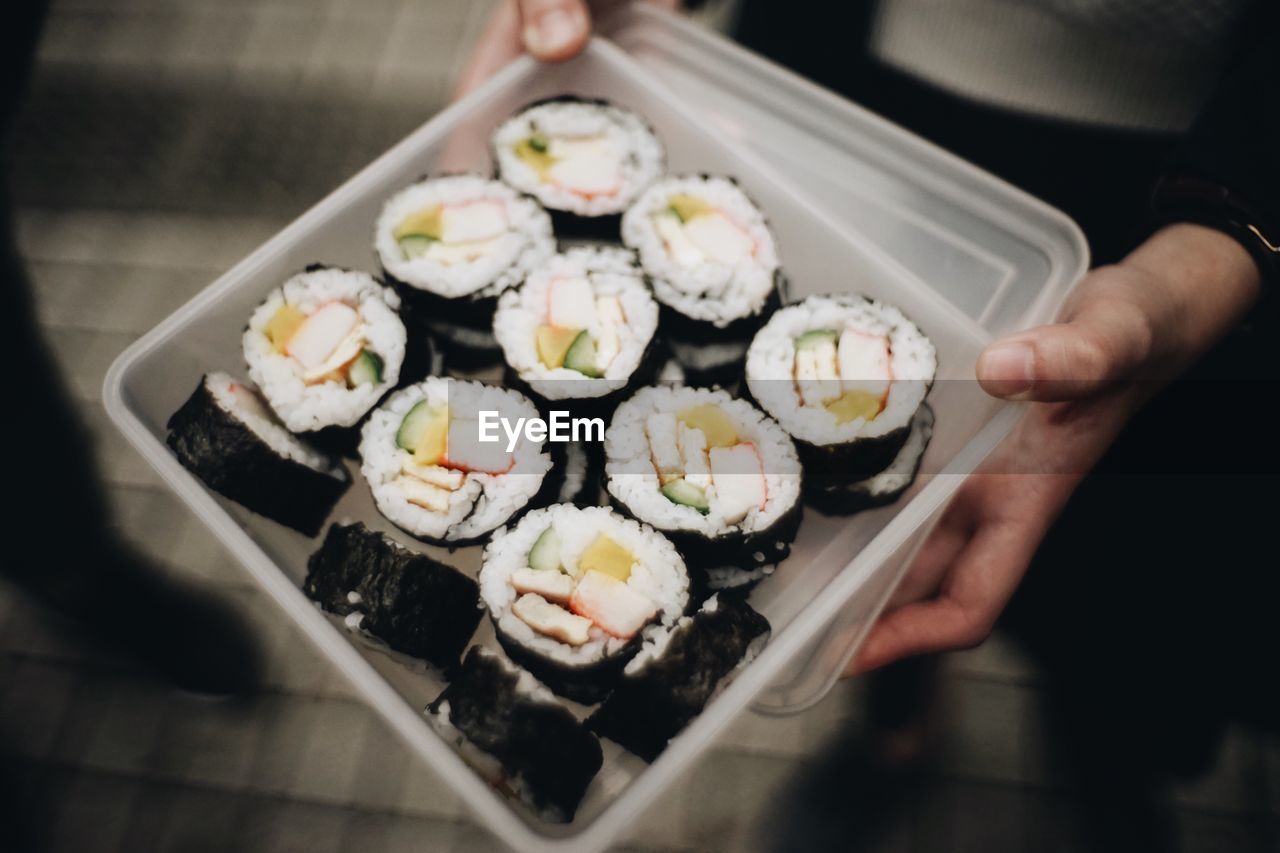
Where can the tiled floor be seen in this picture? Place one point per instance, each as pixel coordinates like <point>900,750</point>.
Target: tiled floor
<point>162,141</point>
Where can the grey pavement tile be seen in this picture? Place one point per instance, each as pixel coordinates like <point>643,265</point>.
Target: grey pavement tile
<point>109,297</point>
<point>280,826</point>
<point>202,820</point>
<point>34,631</point>
<point>734,797</point>
<point>84,356</point>
<point>119,463</point>
<point>125,735</point>
<point>381,769</point>
<point>33,705</point>
<point>387,833</point>
<point>210,743</point>
<point>971,816</point>
<point>982,729</point>
<point>425,793</point>
<point>755,733</point>
<point>327,768</point>
<point>287,724</point>
<point>95,811</point>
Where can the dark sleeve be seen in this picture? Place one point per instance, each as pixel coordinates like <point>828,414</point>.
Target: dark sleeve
<point>1235,141</point>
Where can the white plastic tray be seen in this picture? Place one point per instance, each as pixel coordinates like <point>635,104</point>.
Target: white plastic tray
<point>837,564</point>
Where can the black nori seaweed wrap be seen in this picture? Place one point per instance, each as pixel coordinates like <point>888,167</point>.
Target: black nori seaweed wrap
<point>414,604</point>
<point>549,758</point>
<point>683,334</point>
<point>653,705</point>
<point>235,462</point>
<point>462,329</point>
<point>883,487</point>
<point>585,684</point>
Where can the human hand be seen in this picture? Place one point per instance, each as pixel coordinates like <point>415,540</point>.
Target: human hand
<point>1125,331</point>
<point>551,30</point>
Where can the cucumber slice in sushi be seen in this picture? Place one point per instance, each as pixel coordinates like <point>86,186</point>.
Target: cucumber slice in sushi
<point>366,369</point>
<point>545,554</point>
<point>687,494</point>
<point>582,356</point>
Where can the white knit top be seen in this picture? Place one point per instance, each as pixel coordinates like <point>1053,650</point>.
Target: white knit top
<point>1139,64</point>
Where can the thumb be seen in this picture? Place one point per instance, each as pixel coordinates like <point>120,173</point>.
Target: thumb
<point>1103,341</point>
<point>554,30</point>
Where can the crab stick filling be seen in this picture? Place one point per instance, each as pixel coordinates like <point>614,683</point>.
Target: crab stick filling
<point>588,166</point>
<point>701,462</point>
<point>453,234</point>
<point>439,451</point>
<point>580,331</point>
<point>328,345</point>
<point>848,372</point>
<point>573,606</point>
<point>696,232</point>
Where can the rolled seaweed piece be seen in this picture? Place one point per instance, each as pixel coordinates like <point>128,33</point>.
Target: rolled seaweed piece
<point>670,681</point>
<point>887,486</point>
<point>225,435</point>
<point>414,604</point>
<point>517,736</point>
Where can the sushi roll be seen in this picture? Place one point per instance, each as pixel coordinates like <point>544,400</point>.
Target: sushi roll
<point>580,330</point>
<point>676,674</point>
<point>713,473</point>
<point>414,604</point>
<point>572,592</point>
<point>714,266</point>
<point>452,245</point>
<point>845,376</point>
<point>884,487</point>
<point>227,436</point>
<point>586,161</point>
<point>432,475</point>
<point>325,347</point>
<point>517,736</point>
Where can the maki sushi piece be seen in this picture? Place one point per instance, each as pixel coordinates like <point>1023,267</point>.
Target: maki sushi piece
<point>713,473</point>
<point>585,161</point>
<point>714,266</point>
<point>672,678</point>
<point>325,347</point>
<point>227,436</point>
<point>517,736</point>
<point>884,487</point>
<point>580,331</point>
<point>845,376</point>
<point>452,245</point>
<point>414,604</point>
<point>431,473</point>
<point>573,592</point>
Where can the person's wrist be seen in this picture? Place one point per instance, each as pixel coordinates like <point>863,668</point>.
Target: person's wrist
<point>1200,283</point>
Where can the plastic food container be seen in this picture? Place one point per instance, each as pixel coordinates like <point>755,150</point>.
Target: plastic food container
<point>848,194</point>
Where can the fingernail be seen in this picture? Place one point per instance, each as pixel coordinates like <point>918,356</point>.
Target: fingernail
<point>552,33</point>
<point>1007,370</point>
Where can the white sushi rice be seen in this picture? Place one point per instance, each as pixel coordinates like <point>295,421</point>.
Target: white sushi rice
<point>771,364</point>
<point>304,407</point>
<point>611,272</point>
<point>623,134</point>
<point>658,574</point>
<point>709,291</point>
<point>632,479</point>
<point>242,401</point>
<point>527,242</point>
<point>484,501</point>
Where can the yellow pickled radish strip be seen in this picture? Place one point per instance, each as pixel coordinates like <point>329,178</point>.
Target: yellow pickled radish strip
<point>283,324</point>
<point>855,404</point>
<point>606,556</point>
<point>424,223</point>
<point>714,423</point>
